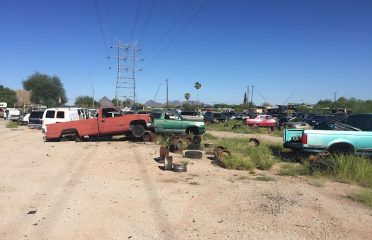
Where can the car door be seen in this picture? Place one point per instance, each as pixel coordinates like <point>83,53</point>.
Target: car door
<point>111,122</point>
<point>172,122</point>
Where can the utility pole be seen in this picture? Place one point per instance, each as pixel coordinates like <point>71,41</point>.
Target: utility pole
<point>252,96</point>
<point>334,96</point>
<point>248,95</point>
<point>126,71</point>
<point>91,85</point>
<point>167,91</point>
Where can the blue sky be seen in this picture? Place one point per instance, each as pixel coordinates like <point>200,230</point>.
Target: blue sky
<point>305,49</point>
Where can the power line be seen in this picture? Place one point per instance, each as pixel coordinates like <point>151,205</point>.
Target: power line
<point>177,36</point>
<point>100,25</point>
<point>172,26</point>
<point>157,20</point>
<point>135,20</point>
<point>109,19</point>
<point>147,21</point>
<point>260,95</point>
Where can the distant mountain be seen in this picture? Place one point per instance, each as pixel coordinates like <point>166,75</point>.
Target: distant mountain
<point>174,103</point>
<point>153,104</point>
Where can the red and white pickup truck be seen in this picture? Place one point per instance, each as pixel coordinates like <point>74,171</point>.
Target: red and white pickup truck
<point>109,122</point>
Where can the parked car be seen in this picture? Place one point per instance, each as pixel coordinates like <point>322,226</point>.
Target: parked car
<point>208,118</point>
<point>192,115</point>
<point>110,122</point>
<point>220,116</point>
<point>24,118</point>
<point>35,120</point>
<point>57,115</point>
<point>314,119</point>
<point>262,121</point>
<point>171,122</point>
<point>12,114</point>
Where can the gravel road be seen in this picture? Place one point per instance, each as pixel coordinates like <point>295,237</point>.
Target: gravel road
<point>115,190</point>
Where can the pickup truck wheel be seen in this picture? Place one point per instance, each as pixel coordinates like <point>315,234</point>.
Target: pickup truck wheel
<point>138,131</point>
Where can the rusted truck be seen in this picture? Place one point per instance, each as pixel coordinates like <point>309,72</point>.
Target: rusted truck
<point>108,122</point>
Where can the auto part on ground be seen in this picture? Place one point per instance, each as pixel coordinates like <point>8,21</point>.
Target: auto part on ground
<point>193,147</point>
<point>208,145</point>
<point>179,168</point>
<point>176,148</point>
<point>196,139</point>
<point>168,163</point>
<point>164,152</point>
<point>153,137</point>
<point>236,126</point>
<point>222,154</point>
<point>322,162</point>
<point>193,154</point>
<point>217,150</point>
<point>254,142</point>
<point>146,136</point>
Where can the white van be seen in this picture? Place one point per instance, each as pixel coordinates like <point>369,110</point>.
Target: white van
<point>56,115</point>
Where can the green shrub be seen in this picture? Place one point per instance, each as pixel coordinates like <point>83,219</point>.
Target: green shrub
<point>11,125</point>
<point>364,197</point>
<point>245,156</point>
<point>239,162</point>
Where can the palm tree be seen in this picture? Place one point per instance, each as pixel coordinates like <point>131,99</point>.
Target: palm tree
<point>197,87</point>
<point>187,96</point>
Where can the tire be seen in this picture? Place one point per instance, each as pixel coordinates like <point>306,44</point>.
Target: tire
<point>223,155</point>
<point>254,142</point>
<point>217,150</point>
<point>138,131</point>
<point>196,139</point>
<point>193,154</point>
<point>179,168</point>
<point>193,147</point>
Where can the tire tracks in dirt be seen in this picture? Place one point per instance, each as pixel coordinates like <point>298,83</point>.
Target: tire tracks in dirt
<point>154,200</point>
<point>23,225</point>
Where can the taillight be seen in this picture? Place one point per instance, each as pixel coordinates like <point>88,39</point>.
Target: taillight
<point>304,138</point>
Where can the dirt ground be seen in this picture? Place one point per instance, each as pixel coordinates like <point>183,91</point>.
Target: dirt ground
<point>115,190</point>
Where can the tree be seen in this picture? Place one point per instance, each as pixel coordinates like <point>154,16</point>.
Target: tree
<point>45,89</point>
<point>197,87</point>
<point>117,102</point>
<point>8,95</point>
<point>187,96</point>
<point>86,102</point>
<point>245,101</point>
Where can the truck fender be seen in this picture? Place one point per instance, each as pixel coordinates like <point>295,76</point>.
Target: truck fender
<point>341,146</point>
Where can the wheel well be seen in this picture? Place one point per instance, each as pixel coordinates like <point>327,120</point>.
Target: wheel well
<point>138,122</point>
<point>194,130</point>
<point>341,148</point>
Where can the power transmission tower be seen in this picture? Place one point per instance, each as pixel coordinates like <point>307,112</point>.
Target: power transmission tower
<point>126,71</point>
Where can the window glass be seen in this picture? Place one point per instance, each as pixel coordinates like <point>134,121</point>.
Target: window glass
<point>50,114</point>
<point>60,114</point>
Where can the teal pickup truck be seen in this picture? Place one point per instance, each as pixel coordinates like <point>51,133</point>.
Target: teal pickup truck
<point>353,138</point>
<point>171,122</point>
